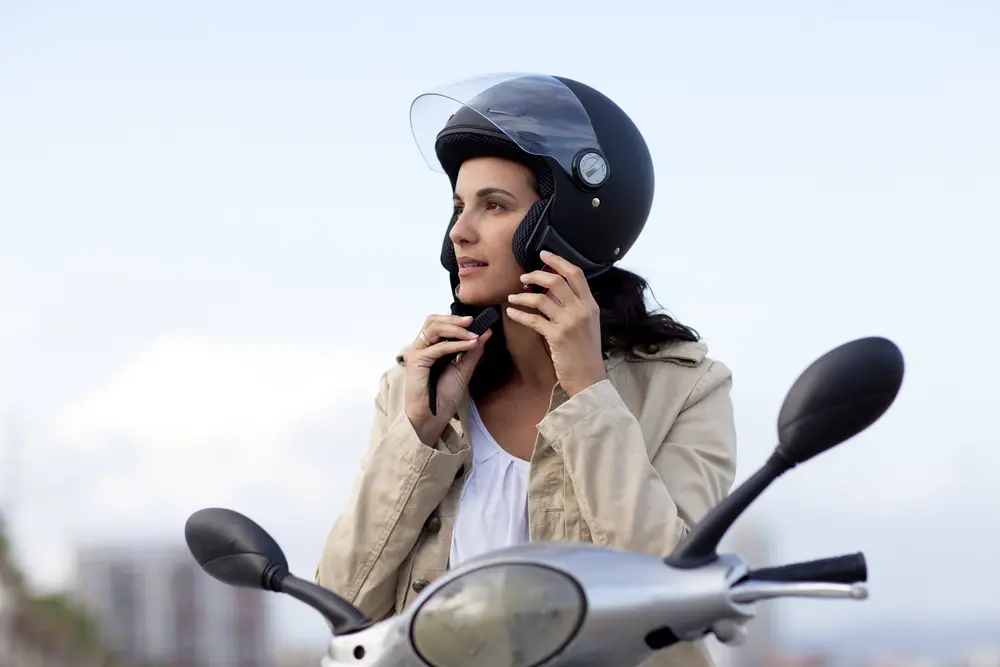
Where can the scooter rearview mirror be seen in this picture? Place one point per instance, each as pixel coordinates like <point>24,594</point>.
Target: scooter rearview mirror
<point>232,548</point>
<point>839,395</point>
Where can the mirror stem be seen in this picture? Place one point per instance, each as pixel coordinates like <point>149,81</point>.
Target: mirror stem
<point>272,577</point>
<point>343,617</point>
<point>699,546</point>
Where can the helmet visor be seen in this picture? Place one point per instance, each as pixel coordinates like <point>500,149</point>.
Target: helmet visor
<point>537,112</point>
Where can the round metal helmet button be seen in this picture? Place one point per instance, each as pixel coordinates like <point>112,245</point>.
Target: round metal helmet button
<point>592,169</point>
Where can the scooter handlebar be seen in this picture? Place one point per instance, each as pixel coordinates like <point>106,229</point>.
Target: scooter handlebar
<point>846,569</point>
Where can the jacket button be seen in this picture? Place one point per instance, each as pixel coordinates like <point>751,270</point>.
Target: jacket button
<point>433,525</point>
<point>461,471</point>
<point>419,585</point>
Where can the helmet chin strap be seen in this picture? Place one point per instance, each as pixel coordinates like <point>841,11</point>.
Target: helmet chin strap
<point>486,319</point>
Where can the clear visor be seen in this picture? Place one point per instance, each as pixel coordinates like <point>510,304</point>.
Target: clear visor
<point>537,112</point>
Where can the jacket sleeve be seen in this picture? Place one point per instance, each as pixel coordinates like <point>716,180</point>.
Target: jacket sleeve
<point>400,483</point>
<point>628,500</point>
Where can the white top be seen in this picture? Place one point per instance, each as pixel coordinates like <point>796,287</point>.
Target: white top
<point>493,507</point>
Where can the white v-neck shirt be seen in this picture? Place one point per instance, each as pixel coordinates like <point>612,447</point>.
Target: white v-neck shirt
<point>493,507</point>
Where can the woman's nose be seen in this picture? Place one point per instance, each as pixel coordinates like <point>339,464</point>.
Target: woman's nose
<point>463,231</point>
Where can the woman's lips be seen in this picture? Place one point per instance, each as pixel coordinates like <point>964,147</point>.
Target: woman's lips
<point>469,269</point>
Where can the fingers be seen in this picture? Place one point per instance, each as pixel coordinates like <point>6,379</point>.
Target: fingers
<point>543,303</point>
<point>429,355</point>
<point>438,331</point>
<point>437,327</point>
<point>459,320</point>
<point>569,287</point>
<point>571,272</point>
<point>541,325</point>
<point>467,361</point>
<point>553,282</point>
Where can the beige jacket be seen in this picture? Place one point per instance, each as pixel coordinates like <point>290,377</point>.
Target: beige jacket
<point>629,463</point>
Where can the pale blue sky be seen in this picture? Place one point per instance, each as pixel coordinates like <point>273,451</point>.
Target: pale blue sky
<point>216,230</point>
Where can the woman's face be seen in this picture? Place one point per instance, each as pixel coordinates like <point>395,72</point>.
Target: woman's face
<point>492,196</point>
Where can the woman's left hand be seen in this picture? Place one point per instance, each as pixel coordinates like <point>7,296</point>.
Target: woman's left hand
<point>571,324</point>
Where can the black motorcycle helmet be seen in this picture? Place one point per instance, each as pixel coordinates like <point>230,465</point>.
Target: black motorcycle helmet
<point>592,165</point>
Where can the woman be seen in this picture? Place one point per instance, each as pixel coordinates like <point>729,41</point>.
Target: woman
<point>580,416</point>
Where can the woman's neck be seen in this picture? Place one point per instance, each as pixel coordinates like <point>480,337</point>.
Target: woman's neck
<point>532,363</point>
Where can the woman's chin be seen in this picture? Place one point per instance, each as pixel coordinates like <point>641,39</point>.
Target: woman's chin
<point>475,296</point>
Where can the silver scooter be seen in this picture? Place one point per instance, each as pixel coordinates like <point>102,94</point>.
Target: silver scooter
<point>563,604</point>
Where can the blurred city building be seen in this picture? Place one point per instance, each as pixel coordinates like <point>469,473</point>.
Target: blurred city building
<point>43,630</point>
<point>155,605</point>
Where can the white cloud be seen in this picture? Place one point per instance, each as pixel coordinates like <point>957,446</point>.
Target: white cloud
<point>194,421</point>
<point>185,392</point>
<point>207,417</point>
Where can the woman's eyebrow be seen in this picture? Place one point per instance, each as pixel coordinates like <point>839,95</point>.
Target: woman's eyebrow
<point>485,192</point>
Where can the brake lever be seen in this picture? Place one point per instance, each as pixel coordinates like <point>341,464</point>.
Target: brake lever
<point>752,591</point>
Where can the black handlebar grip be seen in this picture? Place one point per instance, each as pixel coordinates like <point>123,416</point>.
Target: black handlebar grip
<point>485,320</point>
<point>846,569</point>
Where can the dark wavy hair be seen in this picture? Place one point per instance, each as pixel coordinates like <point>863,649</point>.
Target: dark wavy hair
<point>627,325</point>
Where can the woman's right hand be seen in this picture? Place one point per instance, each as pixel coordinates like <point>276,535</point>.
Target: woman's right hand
<point>429,346</point>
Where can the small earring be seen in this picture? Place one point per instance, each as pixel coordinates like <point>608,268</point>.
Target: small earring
<point>525,287</point>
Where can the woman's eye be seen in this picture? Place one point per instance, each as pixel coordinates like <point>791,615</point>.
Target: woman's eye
<point>457,211</point>
<point>495,206</point>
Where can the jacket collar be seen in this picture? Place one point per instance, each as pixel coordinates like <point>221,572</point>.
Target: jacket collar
<point>683,353</point>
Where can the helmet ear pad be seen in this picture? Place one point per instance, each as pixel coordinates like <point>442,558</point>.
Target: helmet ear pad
<point>455,148</point>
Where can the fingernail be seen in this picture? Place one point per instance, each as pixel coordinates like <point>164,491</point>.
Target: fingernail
<point>545,253</point>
